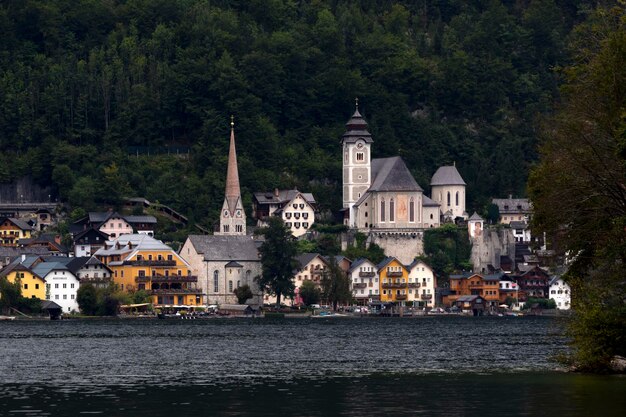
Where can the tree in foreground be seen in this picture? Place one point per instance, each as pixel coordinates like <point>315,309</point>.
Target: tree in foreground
<point>579,188</point>
<point>243,293</point>
<point>87,299</point>
<point>335,284</point>
<point>310,293</point>
<point>278,253</point>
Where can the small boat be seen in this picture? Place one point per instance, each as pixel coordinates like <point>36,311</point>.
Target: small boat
<point>7,318</point>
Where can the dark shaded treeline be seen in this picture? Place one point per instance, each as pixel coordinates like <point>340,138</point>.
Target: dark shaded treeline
<point>438,81</point>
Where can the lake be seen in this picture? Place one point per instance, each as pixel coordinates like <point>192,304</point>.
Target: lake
<point>469,366</point>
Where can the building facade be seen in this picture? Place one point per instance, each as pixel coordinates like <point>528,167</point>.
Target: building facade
<point>295,208</point>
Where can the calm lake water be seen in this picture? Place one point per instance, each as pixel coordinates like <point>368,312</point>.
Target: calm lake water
<point>438,366</point>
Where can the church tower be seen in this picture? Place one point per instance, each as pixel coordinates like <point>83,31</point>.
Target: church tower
<point>233,216</point>
<point>357,166</point>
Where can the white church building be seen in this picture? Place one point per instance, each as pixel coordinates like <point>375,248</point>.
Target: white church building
<point>382,199</point>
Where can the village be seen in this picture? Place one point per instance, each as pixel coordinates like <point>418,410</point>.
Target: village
<point>511,269</point>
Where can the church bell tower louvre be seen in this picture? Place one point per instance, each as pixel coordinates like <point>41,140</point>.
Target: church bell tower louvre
<point>232,216</point>
<point>357,168</point>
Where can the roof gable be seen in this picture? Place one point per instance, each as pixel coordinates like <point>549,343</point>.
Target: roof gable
<point>391,174</point>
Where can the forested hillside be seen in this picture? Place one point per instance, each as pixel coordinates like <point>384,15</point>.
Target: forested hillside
<point>86,86</point>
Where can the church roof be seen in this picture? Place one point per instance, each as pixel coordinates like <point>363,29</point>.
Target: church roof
<point>233,192</point>
<point>447,175</point>
<point>428,202</point>
<point>391,174</point>
<point>226,248</point>
<point>356,129</point>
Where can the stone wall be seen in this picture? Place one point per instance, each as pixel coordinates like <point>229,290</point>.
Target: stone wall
<point>489,246</point>
<point>404,246</point>
<point>24,190</point>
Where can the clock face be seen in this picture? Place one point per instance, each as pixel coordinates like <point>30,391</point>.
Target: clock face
<point>359,145</point>
<point>238,213</point>
<point>225,213</point>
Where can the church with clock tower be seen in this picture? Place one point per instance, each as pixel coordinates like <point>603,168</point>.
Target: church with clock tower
<point>382,199</point>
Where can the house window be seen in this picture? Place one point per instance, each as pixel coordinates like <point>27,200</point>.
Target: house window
<point>382,210</point>
<point>36,286</point>
<point>216,281</point>
<point>226,228</point>
<point>230,286</point>
<point>25,286</point>
<point>448,198</point>
<point>457,198</point>
<point>412,210</point>
<point>391,210</point>
<point>238,228</point>
<point>360,156</point>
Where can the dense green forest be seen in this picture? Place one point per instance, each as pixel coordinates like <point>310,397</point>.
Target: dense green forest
<point>88,86</point>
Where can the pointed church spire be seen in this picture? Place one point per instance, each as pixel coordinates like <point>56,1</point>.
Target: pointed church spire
<point>233,192</point>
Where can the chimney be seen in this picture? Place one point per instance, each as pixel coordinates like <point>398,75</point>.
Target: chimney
<point>23,257</point>
<point>276,192</point>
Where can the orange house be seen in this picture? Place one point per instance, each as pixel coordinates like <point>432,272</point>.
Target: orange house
<point>487,286</point>
<point>12,230</point>
<point>140,262</point>
<point>393,281</point>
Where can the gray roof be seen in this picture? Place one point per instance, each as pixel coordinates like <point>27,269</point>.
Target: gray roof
<point>11,252</point>
<point>226,248</point>
<point>44,268</point>
<point>391,174</point>
<point>428,202</point>
<point>476,217</point>
<point>233,264</point>
<point>284,196</point>
<point>305,258</point>
<point>360,262</point>
<point>19,223</point>
<point>468,298</point>
<point>50,305</point>
<point>518,225</point>
<point>513,205</point>
<point>140,219</point>
<point>447,175</point>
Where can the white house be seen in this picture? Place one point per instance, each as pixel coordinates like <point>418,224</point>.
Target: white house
<point>422,284</point>
<point>364,281</point>
<point>295,208</point>
<point>561,293</point>
<point>61,284</point>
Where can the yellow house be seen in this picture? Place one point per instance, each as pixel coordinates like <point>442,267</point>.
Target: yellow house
<point>140,262</point>
<point>393,281</point>
<point>31,284</point>
<point>12,230</point>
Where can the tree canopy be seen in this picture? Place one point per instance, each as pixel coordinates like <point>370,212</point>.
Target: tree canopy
<point>579,187</point>
<point>278,260</point>
<point>105,100</point>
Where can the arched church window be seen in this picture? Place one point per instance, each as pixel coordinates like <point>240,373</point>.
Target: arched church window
<point>411,210</point>
<point>382,210</point>
<point>448,198</point>
<point>391,210</point>
<point>216,281</point>
<point>457,198</point>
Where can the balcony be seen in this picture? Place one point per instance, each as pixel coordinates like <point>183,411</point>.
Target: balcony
<point>367,274</point>
<point>394,285</point>
<point>359,285</point>
<point>175,291</point>
<point>414,284</point>
<point>400,297</point>
<point>167,278</point>
<point>476,286</point>
<point>394,273</point>
<point>147,262</point>
<point>426,296</point>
